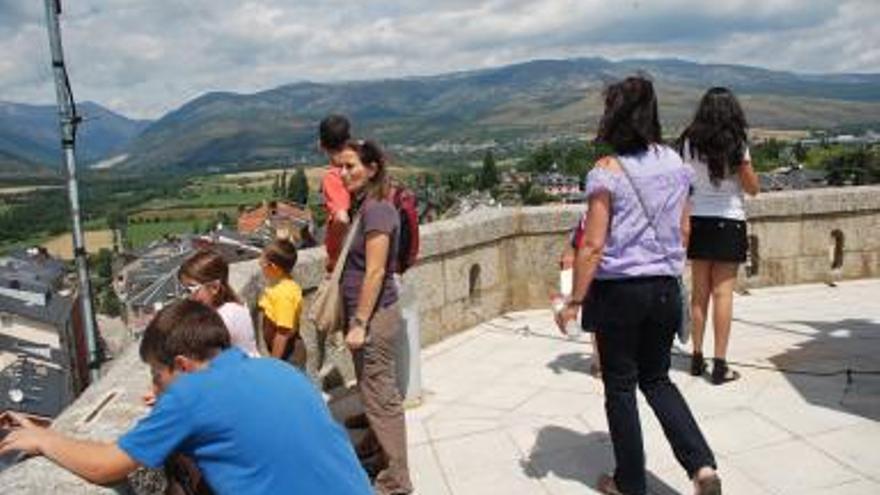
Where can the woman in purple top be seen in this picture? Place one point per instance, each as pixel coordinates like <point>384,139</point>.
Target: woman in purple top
<point>370,299</point>
<point>637,223</point>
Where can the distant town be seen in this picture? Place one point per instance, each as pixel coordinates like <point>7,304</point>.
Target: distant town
<point>139,232</point>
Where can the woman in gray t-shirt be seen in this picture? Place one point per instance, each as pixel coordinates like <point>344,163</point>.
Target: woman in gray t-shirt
<point>370,297</point>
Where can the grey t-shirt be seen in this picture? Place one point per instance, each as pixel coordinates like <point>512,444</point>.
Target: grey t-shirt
<point>376,216</point>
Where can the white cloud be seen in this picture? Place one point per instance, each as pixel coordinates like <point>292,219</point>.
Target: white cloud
<point>145,58</point>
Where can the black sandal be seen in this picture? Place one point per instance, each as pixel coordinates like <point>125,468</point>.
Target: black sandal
<point>698,364</point>
<point>721,373</point>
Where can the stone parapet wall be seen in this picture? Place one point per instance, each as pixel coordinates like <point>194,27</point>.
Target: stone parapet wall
<point>797,233</point>
<point>493,261</point>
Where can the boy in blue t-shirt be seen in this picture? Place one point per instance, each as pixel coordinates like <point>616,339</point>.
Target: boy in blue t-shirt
<point>212,407</point>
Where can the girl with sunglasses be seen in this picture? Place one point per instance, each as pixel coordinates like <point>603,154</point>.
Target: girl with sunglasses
<point>205,278</point>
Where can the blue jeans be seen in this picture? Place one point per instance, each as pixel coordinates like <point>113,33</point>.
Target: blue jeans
<point>637,319</point>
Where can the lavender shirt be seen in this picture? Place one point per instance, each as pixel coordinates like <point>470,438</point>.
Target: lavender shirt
<point>633,248</point>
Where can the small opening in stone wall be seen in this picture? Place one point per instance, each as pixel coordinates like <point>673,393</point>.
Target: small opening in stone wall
<point>836,249</point>
<point>753,257</point>
<point>474,284</point>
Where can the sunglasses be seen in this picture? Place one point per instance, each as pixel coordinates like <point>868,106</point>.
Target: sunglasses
<point>190,289</point>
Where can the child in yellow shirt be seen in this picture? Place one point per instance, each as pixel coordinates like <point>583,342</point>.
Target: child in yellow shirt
<point>281,303</point>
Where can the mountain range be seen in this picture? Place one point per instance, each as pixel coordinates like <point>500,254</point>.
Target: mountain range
<point>533,100</point>
<point>30,138</point>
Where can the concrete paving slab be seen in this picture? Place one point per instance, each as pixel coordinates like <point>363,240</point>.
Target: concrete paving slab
<point>726,431</point>
<point>792,467</point>
<point>511,407</point>
<point>425,471</point>
<point>849,446</point>
<point>860,487</point>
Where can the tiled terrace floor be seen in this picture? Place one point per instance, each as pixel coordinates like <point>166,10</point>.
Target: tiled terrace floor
<point>510,407</point>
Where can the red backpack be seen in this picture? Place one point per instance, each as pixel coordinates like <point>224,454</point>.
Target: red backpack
<point>406,204</point>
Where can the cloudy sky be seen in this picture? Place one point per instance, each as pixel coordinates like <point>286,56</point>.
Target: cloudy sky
<point>145,57</point>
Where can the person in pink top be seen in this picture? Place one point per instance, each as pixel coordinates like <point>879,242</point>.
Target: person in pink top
<point>333,132</point>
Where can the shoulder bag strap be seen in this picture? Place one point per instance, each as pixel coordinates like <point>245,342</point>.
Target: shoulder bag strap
<point>343,253</point>
<point>651,220</point>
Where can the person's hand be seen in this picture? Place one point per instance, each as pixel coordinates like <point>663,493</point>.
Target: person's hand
<point>356,337</point>
<point>566,261</point>
<point>342,217</point>
<point>25,436</point>
<point>337,339</point>
<point>567,314</point>
<point>149,398</point>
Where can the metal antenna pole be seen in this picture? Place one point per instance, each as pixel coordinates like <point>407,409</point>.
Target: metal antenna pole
<point>68,121</point>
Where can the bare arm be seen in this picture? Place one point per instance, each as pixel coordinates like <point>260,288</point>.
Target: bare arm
<point>378,247</point>
<point>748,178</point>
<point>96,462</point>
<point>277,337</point>
<point>342,217</point>
<point>686,223</point>
<point>279,342</point>
<point>587,257</point>
<point>377,252</point>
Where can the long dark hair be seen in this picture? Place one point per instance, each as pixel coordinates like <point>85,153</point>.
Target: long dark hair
<point>718,134</point>
<point>205,267</point>
<point>371,155</point>
<point>630,123</point>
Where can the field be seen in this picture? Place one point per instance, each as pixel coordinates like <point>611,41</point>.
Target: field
<point>7,191</point>
<point>181,214</point>
<point>62,246</point>
<point>198,204</point>
<point>140,235</point>
<point>264,178</point>
<point>780,135</point>
<point>203,196</point>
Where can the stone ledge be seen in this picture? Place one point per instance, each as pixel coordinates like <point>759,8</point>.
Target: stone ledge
<point>824,201</point>
<point>128,378</point>
<point>104,411</point>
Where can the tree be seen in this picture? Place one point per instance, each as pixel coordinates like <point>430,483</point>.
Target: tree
<point>282,185</point>
<point>298,188</point>
<point>489,173</point>
<point>851,166</point>
<point>319,214</point>
<point>800,152</point>
<point>766,155</point>
<point>103,264</point>
<point>110,303</point>
<point>118,224</point>
<point>223,218</point>
<point>535,196</point>
<point>276,187</point>
<point>540,160</point>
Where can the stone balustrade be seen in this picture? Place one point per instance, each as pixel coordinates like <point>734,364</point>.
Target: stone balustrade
<point>487,263</point>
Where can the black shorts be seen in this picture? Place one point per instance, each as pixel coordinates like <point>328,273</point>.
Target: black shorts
<point>717,239</point>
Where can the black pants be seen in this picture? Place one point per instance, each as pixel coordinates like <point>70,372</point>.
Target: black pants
<point>637,319</point>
